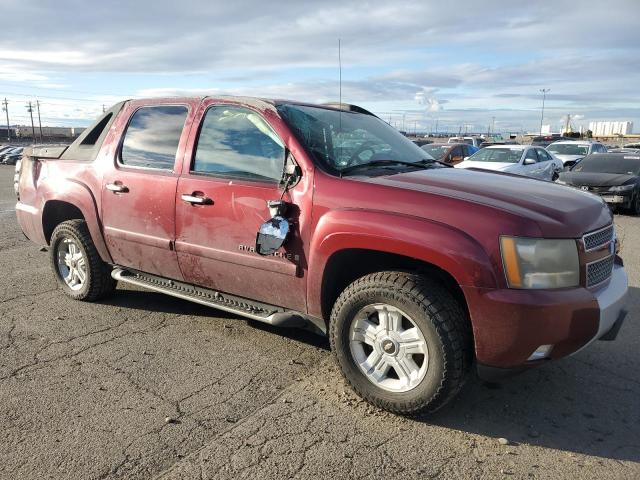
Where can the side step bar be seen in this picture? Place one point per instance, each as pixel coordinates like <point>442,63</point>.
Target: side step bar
<point>251,309</point>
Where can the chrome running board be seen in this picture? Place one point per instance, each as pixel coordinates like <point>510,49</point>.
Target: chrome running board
<point>251,309</point>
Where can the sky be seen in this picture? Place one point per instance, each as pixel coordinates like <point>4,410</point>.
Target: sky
<point>463,65</point>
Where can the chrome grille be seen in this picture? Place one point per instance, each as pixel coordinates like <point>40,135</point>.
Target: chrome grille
<point>599,271</point>
<point>598,238</point>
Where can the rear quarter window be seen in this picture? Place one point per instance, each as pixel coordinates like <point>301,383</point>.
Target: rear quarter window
<point>152,137</point>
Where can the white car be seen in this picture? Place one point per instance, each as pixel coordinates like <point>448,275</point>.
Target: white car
<point>523,160</point>
<point>570,152</point>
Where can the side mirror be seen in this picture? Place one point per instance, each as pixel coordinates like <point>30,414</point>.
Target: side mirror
<point>529,161</point>
<point>465,158</point>
<point>272,235</point>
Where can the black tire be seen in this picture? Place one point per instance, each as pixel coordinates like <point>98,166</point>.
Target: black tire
<point>441,320</point>
<point>98,283</point>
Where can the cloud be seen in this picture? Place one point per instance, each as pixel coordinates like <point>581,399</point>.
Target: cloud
<point>481,61</point>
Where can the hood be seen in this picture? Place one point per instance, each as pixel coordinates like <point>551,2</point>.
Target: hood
<point>494,166</point>
<point>559,210</point>
<point>568,158</point>
<point>591,179</point>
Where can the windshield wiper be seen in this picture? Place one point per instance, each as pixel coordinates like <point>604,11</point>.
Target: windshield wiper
<point>383,163</point>
<point>425,161</point>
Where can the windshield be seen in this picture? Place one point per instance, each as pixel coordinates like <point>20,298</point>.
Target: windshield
<point>568,149</point>
<point>499,155</point>
<point>621,164</point>
<point>436,151</point>
<point>342,139</point>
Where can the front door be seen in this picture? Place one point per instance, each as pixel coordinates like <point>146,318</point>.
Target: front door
<point>221,201</point>
<point>138,195</point>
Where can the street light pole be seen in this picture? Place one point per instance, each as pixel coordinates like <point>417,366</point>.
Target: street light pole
<point>544,96</point>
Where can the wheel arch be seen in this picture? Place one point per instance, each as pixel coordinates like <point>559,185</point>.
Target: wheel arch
<point>71,200</point>
<point>345,266</point>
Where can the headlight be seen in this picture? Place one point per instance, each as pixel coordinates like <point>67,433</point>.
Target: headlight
<point>540,263</point>
<point>621,188</point>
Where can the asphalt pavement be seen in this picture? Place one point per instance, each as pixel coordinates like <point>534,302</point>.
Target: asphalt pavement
<point>147,386</point>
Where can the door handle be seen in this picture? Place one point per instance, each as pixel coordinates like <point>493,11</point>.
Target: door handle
<point>196,200</point>
<point>116,187</point>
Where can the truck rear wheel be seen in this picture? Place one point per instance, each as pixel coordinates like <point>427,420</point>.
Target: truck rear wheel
<point>78,268</point>
<point>402,341</point>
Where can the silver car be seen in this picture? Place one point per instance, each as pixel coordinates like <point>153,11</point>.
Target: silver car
<point>525,160</point>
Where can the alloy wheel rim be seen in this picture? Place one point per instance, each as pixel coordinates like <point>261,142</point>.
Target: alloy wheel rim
<point>388,348</point>
<point>72,265</point>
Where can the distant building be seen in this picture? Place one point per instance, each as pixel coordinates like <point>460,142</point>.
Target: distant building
<point>545,130</point>
<point>606,129</point>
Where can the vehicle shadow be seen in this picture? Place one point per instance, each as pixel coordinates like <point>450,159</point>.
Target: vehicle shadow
<point>161,303</point>
<point>587,404</point>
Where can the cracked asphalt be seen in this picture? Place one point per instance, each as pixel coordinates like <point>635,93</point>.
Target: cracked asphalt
<point>147,386</point>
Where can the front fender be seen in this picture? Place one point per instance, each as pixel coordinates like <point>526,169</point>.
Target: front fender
<point>79,195</point>
<point>435,243</point>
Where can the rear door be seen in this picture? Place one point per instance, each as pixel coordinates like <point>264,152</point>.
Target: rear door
<point>232,169</point>
<point>138,195</point>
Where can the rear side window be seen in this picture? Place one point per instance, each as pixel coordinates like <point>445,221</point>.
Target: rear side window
<point>152,137</point>
<point>237,142</point>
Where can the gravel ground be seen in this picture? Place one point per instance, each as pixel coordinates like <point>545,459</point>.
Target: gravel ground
<point>146,386</point>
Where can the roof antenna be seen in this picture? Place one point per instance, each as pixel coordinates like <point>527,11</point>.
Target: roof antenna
<point>340,92</point>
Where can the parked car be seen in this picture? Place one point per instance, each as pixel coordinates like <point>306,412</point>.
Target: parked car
<point>546,140</point>
<point>451,153</point>
<point>624,150</point>
<point>571,152</point>
<point>7,157</point>
<point>415,271</point>
<point>635,145</point>
<point>613,176</point>
<point>475,141</point>
<point>523,160</point>
<point>501,142</point>
<point>4,148</point>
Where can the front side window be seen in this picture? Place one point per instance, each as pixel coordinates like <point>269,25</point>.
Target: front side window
<point>152,137</point>
<point>531,155</point>
<point>237,142</point>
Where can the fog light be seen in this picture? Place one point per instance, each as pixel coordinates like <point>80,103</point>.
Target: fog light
<point>541,352</point>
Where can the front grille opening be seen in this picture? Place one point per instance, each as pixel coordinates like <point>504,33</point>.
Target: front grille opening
<point>598,272</point>
<point>598,238</point>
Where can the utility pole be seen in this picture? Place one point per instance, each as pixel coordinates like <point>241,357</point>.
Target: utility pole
<point>33,128</point>
<point>436,126</point>
<point>39,121</point>
<point>104,109</point>
<point>5,107</point>
<point>544,92</point>
<point>493,125</point>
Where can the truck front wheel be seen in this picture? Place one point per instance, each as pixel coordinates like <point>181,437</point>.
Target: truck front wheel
<point>402,341</point>
<point>78,268</point>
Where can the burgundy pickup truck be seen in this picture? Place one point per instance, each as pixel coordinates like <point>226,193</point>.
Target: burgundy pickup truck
<point>325,217</point>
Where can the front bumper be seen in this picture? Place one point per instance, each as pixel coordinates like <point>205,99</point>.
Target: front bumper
<point>510,325</point>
